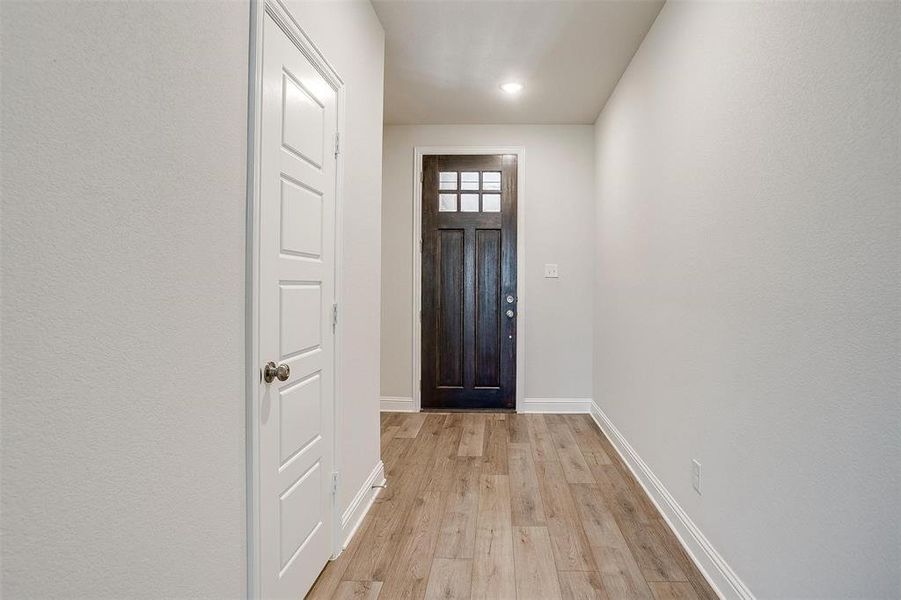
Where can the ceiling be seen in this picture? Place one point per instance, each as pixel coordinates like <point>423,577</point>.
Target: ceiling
<point>445,59</point>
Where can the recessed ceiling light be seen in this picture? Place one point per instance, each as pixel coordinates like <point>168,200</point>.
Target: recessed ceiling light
<point>512,87</point>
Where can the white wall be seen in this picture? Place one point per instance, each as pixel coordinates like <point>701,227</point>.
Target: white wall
<point>124,138</point>
<point>351,38</point>
<point>558,204</point>
<point>747,283</point>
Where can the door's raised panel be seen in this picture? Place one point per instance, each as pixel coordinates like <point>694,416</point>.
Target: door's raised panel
<point>301,220</point>
<point>450,308</point>
<point>299,513</point>
<point>303,121</point>
<point>488,302</point>
<point>300,317</point>
<point>300,410</point>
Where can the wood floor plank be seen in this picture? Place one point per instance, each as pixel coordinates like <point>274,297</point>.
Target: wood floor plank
<point>596,459</point>
<point>554,419</point>
<point>572,551</point>
<point>652,555</point>
<point>525,498</point>
<point>574,466</point>
<point>640,525</point>
<point>623,495</point>
<point>388,419</point>
<point>673,590</point>
<point>388,434</point>
<point>392,457</point>
<point>472,440</point>
<point>379,541</point>
<point>440,475</point>
<point>581,585</point>
<point>517,429</point>
<point>458,527</point>
<point>449,579</point>
<point>493,571</point>
<point>624,481</point>
<point>494,455</point>
<point>533,555</point>
<point>621,581</point>
<point>331,577</point>
<point>393,452</point>
<point>358,590</point>
<point>639,522</point>
<point>540,438</point>
<point>699,583</point>
<point>405,478</point>
<point>622,577</point>
<point>411,424</point>
<point>587,433</point>
<point>409,571</point>
<point>398,475</point>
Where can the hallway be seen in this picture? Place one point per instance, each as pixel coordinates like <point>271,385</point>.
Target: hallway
<point>417,299</point>
<point>508,506</point>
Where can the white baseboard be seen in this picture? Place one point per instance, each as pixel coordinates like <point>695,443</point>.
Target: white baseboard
<point>360,505</point>
<point>555,405</point>
<point>396,404</point>
<point>712,565</point>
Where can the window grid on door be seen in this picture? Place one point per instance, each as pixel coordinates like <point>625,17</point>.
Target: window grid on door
<point>469,191</point>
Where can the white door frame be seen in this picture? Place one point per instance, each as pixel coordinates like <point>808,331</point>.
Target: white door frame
<point>258,11</point>
<point>418,153</point>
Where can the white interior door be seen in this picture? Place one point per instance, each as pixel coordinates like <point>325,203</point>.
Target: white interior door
<point>296,295</point>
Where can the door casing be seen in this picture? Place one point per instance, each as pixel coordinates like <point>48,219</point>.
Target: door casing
<point>278,11</point>
<point>418,153</point>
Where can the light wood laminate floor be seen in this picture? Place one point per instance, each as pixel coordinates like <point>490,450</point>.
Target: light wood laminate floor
<point>506,506</point>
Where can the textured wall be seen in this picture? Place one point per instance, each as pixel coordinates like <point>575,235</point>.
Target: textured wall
<point>558,225</point>
<point>124,128</point>
<point>747,299</point>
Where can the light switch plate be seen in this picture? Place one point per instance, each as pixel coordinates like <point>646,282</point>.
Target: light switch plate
<point>551,271</point>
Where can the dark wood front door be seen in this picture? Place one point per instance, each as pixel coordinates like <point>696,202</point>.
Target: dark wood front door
<point>469,281</point>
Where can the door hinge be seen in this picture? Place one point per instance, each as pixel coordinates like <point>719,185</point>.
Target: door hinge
<point>334,316</point>
<point>337,144</point>
<point>335,483</point>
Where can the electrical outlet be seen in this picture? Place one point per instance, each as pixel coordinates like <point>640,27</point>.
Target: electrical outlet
<point>696,475</point>
<point>550,271</point>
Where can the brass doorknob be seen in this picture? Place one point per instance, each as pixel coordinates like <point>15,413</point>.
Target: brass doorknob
<point>273,371</point>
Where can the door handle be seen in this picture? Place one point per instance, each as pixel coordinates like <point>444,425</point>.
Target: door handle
<point>273,371</point>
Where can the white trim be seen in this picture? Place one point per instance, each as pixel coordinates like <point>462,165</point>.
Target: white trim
<point>280,13</point>
<point>396,404</point>
<point>251,309</point>
<point>362,502</point>
<point>520,152</point>
<point>555,405</point>
<point>725,582</point>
